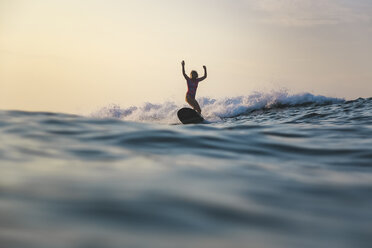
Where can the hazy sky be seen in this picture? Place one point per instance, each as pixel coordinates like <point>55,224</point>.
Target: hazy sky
<point>73,56</point>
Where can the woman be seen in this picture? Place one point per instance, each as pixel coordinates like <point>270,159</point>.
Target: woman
<point>192,86</point>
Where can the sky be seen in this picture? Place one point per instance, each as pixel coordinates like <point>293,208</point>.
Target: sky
<point>76,56</point>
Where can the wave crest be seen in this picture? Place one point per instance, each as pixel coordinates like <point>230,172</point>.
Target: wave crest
<point>213,109</point>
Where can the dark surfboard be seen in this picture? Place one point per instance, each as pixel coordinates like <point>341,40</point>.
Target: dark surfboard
<point>189,116</point>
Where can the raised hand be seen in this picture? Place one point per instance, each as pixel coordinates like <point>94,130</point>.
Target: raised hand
<point>204,67</point>
<point>183,63</point>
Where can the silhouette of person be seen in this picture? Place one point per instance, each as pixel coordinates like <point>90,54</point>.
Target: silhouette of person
<point>192,86</point>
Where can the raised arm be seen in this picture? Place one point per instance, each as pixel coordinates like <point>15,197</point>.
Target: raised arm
<point>205,74</point>
<point>183,70</point>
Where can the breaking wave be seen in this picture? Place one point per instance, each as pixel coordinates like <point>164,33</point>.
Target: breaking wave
<point>213,109</point>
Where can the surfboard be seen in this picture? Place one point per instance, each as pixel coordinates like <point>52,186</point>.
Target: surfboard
<point>189,116</point>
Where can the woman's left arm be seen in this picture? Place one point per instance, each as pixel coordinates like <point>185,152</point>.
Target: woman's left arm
<point>205,74</point>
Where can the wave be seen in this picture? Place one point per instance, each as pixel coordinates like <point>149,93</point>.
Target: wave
<point>214,109</point>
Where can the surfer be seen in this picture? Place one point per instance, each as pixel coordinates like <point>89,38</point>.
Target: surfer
<point>192,85</point>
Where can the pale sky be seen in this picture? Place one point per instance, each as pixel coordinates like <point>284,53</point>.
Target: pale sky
<point>74,56</point>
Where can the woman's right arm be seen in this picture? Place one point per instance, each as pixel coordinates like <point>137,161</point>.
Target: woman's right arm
<point>183,70</point>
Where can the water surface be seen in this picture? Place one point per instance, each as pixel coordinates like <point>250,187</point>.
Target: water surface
<point>289,174</point>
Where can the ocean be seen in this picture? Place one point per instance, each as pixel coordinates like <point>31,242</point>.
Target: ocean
<point>266,170</point>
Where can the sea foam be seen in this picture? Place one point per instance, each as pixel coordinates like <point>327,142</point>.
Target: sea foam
<point>213,109</point>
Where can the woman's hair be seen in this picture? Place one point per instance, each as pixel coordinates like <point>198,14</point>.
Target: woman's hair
<point>194,75</point>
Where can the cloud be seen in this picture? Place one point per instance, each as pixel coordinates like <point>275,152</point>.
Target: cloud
<point>311,12</point>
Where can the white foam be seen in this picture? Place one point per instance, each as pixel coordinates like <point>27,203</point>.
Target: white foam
<point>213,109</point>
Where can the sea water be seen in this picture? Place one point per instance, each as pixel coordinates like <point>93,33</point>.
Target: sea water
<point>268,170</point>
